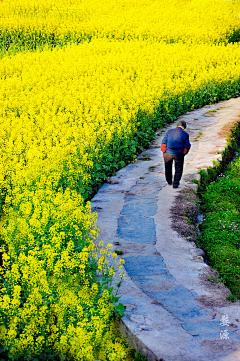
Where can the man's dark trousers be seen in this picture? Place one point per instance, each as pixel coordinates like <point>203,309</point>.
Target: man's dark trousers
<point>179,160</point>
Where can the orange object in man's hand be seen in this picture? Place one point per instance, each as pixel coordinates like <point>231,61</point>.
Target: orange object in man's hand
<point>163,147</point>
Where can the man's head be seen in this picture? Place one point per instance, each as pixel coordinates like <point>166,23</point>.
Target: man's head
<point>182,124</point>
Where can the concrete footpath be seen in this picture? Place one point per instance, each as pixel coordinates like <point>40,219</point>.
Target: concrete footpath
<point>173,312</point>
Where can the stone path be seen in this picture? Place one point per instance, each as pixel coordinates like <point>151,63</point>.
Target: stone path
<point>173,313</point>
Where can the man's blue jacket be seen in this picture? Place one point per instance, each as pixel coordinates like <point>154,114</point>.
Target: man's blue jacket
<point>176,140</point>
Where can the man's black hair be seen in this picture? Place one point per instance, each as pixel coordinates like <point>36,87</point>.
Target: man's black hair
<point>182,123</point>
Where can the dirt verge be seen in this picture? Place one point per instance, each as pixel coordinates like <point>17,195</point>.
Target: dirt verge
<point>184,214</point>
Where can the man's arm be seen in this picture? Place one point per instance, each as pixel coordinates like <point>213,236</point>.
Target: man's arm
<point>187,145</point>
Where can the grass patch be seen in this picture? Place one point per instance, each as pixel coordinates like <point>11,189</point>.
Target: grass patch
<point>212,111</point>
<point>145,158</point>
<point>220,231</point>
<point>198,136</point>
<point>119,253</point>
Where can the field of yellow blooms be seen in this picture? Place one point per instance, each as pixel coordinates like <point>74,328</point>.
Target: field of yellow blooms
<point>83,86</point>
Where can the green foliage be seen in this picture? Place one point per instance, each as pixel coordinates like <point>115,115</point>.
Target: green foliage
<point>137,356</point>
<point>119,252</point>
<point>145,158</point>
<point>231,298</point>
<point>214,279</point>
<point>235,36</point>
<point>211,174</point>
<point>18,40</point>
<point>119,309</point>
<point>220,230</point>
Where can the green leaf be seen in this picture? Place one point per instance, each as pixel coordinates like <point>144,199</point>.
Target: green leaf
<point>119,309</point>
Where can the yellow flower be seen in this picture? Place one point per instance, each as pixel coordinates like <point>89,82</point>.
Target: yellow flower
<point>66,113</point>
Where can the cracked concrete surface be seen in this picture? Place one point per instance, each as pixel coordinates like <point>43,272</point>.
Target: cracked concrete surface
<point>171,312</point>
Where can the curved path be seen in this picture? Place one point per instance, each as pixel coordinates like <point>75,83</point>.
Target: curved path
<point>172,312</point>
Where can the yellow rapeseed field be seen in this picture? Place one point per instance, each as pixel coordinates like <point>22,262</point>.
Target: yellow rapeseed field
<point>83,86</point>
<point>47,21</point>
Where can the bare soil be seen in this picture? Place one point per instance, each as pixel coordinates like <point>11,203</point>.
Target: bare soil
<point>184,214</point>
<point>217,289</point>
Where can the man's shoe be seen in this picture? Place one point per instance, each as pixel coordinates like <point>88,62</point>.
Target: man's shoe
<point>175,186</point>
<point>170,184</point>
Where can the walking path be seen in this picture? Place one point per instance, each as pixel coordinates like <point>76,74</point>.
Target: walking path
<point>173,313</point>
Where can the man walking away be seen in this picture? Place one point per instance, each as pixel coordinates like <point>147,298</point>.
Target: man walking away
<point>175,145</point>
